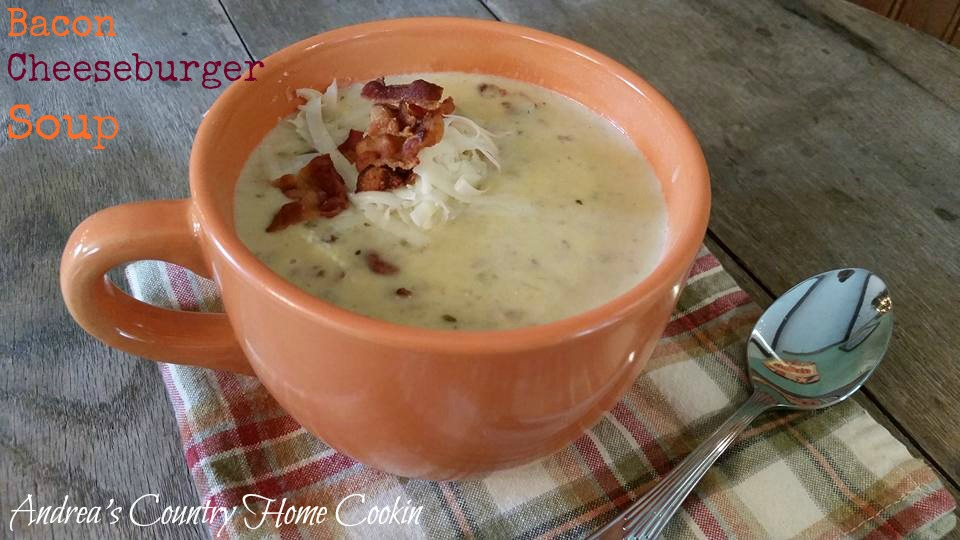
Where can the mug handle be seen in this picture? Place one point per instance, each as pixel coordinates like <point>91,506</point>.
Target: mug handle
<point>156,230</point>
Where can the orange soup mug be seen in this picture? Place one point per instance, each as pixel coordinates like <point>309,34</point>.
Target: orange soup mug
<point>434,404</point>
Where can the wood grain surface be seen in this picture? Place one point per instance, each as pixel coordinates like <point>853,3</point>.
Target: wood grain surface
<point>79,419</point>
<point>829,145</point>
<point>832,135</point>
<point>269,25</point>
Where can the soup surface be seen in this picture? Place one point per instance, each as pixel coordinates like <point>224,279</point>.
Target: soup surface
<point>573,218</point>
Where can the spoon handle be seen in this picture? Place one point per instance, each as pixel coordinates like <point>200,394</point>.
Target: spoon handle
<point>648,515</point>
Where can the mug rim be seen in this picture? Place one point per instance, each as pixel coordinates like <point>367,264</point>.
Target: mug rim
<point>673,259</point>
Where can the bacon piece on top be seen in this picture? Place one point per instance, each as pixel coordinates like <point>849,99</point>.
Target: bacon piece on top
<point>318,190</point>
<point>420,92</point>
<point>383,149</point>
<point>383,178</point>
<point>349,147</point>
<point>405,119</point>
<point>427,132</point>
<point>385,120</point>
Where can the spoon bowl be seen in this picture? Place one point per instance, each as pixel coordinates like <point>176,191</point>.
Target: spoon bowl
<point>821,340</point>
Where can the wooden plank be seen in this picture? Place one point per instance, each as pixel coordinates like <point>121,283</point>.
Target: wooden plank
<point>952,34</point>
<point>926,63</point>
<point>883,7</point>
<point>932,17</point>
<point>79,419</point>
<point>935,17</point>
<point>832,136</point>
<point>763,298</point>
<point>270,25</point>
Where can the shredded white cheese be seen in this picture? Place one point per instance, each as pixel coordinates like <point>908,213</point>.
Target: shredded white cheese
<point>450,174</point>
<point>311,126</point>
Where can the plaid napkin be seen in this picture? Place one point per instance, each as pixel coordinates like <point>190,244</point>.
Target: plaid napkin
<point>829,474</point>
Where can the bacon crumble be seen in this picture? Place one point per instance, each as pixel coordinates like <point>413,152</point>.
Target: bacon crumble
<point>490,90</point>
<point>349,147</point>
<point>404,119</point>
<point>317,190</point>
<point>382,178</point>
<point>379,266</point>
<point>419,92</point>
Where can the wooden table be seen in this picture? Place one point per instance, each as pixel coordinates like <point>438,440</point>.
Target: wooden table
<point>832,135</point>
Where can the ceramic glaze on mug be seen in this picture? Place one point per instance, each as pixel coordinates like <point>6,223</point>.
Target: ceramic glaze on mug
<point>425,403</point>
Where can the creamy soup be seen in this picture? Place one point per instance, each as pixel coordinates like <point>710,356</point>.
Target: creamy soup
<point>572,218</point>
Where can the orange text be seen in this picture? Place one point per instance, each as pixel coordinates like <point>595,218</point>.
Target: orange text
<point>59,25</point>
<point>49,126</point>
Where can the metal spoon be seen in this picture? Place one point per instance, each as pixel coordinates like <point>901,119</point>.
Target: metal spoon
<point>814,347</point>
